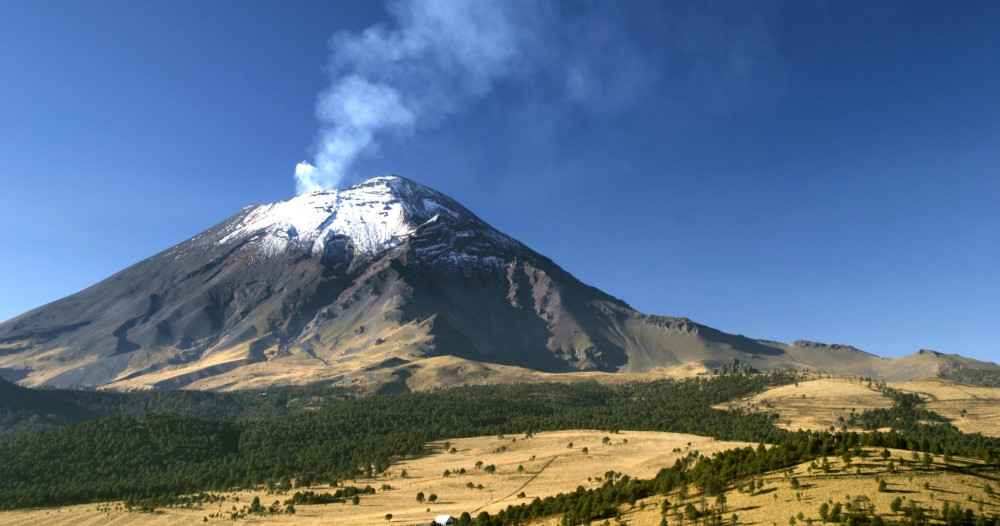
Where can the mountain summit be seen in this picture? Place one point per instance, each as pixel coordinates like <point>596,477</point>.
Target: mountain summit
<point>373,217</point>
<point>379,280</point>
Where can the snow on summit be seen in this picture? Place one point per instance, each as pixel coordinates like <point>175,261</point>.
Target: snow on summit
<point>376,215</point>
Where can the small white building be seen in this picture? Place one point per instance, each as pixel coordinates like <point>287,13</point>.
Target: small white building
<point>444,520</point>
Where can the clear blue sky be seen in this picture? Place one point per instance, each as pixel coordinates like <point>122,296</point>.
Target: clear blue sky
<point>784,170</point>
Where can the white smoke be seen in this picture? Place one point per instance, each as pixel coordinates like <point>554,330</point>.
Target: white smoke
<point>437,57</point>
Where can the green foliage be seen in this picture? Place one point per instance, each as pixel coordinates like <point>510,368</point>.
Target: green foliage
<point>27,411</point>
<point>691,513</point>
<point>971,376</point>
<point>339,496</point>
<point>115,458</point>
<point>735,367</point>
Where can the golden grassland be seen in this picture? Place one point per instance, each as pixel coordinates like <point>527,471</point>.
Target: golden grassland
<point>821,403</point>
<point>778,497</point>
<point>779,501</point>
<point>550,466</point>
<point>815,404</point>
<point>971,409</point>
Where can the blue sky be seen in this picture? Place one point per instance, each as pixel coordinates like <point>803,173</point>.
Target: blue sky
<point>784,170</point>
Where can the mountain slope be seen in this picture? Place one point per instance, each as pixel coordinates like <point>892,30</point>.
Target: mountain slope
<point>361,284</point>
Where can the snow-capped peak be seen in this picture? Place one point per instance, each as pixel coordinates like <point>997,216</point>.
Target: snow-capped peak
<point>376,215</point>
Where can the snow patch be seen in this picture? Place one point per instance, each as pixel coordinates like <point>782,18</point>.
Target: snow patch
<point>376,215</point>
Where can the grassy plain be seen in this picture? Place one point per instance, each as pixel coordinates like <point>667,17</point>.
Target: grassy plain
<point>550,467</point>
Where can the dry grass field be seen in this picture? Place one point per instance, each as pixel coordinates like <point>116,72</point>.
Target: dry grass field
<point>815,404</point>
<point>971,409</point>
<point>549,467</point>
<point>784,495</point>
<point>821,403</point>
<point>779,502</point>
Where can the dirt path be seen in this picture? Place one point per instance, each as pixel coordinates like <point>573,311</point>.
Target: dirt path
<point>518,490</point>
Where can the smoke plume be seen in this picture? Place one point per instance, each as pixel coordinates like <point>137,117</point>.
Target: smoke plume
<point>437,57</point>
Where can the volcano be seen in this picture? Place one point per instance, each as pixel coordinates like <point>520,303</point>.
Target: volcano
<point>367,283</point>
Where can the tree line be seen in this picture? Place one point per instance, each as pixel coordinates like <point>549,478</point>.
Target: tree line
<point>25,411</point>
<point>160,454</point>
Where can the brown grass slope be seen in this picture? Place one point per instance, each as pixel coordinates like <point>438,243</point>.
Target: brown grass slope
<point>822,403</point>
